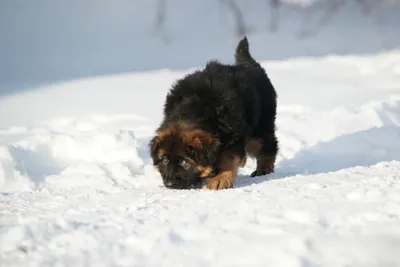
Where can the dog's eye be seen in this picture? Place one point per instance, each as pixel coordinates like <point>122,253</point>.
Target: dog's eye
<point>185,164</point>
<point>165,160</point>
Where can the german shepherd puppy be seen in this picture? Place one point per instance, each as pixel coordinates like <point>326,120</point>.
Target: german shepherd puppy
<point>213,119</point>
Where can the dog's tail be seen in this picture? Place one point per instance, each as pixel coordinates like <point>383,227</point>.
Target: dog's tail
<point>242,55</point>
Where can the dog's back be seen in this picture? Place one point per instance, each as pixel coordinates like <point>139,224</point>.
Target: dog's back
<point>258,78</point>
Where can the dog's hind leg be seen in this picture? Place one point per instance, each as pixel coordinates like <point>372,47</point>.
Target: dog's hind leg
<point>264,150</point>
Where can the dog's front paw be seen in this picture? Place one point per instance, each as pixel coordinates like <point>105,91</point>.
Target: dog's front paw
<point>220,182</point>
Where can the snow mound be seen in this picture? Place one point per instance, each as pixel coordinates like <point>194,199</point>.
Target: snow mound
<point>101,150</point>
<point>363,148</point>
<point>69,152</point>
<point>374,125</point>
<point>10,178</point>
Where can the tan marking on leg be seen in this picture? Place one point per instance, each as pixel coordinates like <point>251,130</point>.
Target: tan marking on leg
<point>228,170</point>
<point>265,165</point>
<point>204,171</point>
<point>242,162</point>
<point>254,146</point>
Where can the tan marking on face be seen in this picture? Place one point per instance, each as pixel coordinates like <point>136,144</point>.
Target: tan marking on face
<point>182,135</point>
<point>197,138</point>
<point>162,134</point>
<point>189,135</point>
<point>161,153</point>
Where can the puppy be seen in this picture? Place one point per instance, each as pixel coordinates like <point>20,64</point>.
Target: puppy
<point>213,118</point>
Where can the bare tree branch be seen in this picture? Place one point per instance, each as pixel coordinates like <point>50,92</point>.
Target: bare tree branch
<point>329,10</point>
<point>241,28</point>
<point>274,6</point>
<point>161,15</point>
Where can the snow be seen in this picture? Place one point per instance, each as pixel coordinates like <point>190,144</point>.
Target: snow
<point>76,182</point>
<point>81,189</point>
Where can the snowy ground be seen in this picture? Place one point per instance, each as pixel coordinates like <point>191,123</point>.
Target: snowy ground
<point>77,187</point>
<point>80,98</point>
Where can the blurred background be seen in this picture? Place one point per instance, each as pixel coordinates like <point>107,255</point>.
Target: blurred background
<point>51,41</point>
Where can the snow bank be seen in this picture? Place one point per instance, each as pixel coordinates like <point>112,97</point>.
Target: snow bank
<point>363,148</point>
<point>322,84</point>
<point>11,178</point>
<point>99,150</point>
<point>76,153</point>
<point>348,131</point>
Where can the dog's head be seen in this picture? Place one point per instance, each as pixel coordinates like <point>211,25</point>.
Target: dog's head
<point>184,155</point>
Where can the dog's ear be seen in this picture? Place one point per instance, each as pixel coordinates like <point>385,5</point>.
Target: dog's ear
<point>201,141</point>
<point>154,146</point>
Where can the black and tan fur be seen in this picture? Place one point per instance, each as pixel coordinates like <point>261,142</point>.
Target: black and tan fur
<point>213,118</point>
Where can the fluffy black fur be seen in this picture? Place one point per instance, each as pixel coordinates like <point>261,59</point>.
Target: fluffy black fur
<point>233,103</point>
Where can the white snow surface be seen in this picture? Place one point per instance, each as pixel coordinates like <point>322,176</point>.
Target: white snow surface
<point>82,85</point>
<point>78,189</point>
